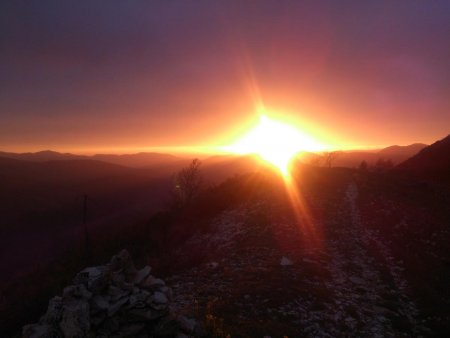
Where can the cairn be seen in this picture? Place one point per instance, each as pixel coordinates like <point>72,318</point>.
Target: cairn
<point>115,301</point>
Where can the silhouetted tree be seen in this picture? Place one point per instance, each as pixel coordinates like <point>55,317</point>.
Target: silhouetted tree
<point>188,183</point>
<point>383,165</point>
<point>329,157</point>
<point>363,166</point>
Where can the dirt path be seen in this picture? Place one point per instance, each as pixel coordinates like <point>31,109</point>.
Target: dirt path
<point>350,287</point>
<point>370,293</point>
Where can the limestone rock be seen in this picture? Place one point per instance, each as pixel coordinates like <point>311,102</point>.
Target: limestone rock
<point>142,274</point>
<point>285,261</point>
<point>113,308</point>
<point>75,320</point>
<point>160,298</point>
<point>114,300</point>
<point>54,311</point>
<point>38,331</point>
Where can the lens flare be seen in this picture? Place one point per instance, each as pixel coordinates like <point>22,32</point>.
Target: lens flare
<point>275,142</point>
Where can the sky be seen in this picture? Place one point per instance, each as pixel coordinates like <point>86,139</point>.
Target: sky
<point>127,75</point>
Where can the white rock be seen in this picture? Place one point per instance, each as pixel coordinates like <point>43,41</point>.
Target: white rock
<point>54,310</point>
<point>285,261</point>
<point>99,302</point>
<point>142,274</point>
<point>75,319</point>
<point>113,308</point>
<point>151,282</point>
<point>160,298</point>
<point>213,265</point>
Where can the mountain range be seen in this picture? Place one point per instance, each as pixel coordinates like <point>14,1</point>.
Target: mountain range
<point>396,154</point>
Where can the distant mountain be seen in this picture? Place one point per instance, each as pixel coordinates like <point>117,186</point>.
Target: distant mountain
<point>432,162</point>
<point>163,163</point>
<point>351,159</point>
<point>139,160</point>
<point>42,156</point>
<point>401,151</point>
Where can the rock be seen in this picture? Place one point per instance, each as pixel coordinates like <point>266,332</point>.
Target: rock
<point>187,325</point>
<point>115,293</point>
<point>142,295</point>
<point>37,331</point>
<point>77,291</point>
<point>285,261</point>
<point>114,300</point>
<point>111,325</point>
<point>94,278</point>
<point>99,303</point>
<point>160,298</point>
<point>119,279</point>
<point>213,265</point>
<point>130,331</point>
<point>97,285</point>
<point>88,274</point>
<point>54,310</point>
<point>144,314</point>
<point>75,320</point>
<point>98,319</point>
<point>166,327</point>
<point>113,308</point>
<point>142,274</point>
<point>167,291</point>
<point>122,262</point>
<point>152,282</point>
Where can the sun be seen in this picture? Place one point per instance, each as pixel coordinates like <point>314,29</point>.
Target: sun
<point>275,142</point>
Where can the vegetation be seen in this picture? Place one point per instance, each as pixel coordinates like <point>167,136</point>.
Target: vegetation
<point>187,184</point>
<point>410,217</point>
<point>329,157</point>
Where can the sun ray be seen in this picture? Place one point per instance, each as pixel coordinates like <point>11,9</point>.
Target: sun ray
<point>275,142</point>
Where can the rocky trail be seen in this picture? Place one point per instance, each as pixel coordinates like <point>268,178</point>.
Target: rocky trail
<point>260,277</point>
<point>258,271</point>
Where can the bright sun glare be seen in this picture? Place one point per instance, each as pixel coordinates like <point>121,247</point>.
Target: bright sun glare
<point>275,142</point>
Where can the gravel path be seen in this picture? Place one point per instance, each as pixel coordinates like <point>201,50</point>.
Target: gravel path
<point>350,287</point>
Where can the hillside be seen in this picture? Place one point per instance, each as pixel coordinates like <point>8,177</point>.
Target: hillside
<point>345,254</point>
<point>351,259</point>
<point>41,204</point>
<point>431,163</point>
<point>401,151</point>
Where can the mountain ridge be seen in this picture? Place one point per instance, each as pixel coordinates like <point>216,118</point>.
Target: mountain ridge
<point>431,163</point>
<point>396,153</point>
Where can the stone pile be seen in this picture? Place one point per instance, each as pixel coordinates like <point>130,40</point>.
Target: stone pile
<point>114,300</point>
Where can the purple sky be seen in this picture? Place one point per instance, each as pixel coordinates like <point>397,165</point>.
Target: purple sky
<point>117,74</point>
